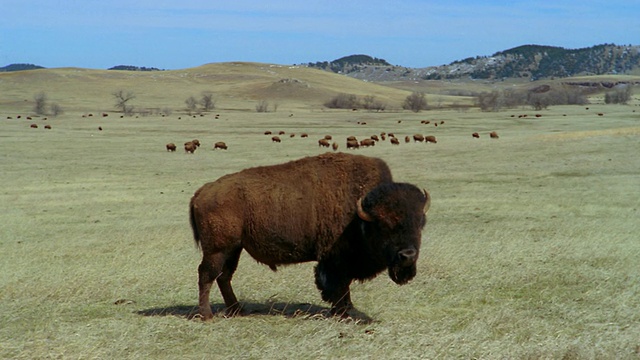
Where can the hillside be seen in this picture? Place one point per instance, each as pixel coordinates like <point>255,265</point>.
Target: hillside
<point>237,86</point>
<point>531,62</point>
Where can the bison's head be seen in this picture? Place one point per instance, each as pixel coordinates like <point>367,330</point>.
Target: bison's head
<point>394,215</point>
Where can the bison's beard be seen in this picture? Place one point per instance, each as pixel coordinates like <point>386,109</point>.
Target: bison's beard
<point>402,274</point>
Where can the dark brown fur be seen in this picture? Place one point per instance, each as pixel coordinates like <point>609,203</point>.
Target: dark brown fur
<point>171,147</point>
<point>220,145</point>
<point>306,210</point>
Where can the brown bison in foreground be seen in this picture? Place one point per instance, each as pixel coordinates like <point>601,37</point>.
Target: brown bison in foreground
<point>171,147</point>
<point>343,211</point>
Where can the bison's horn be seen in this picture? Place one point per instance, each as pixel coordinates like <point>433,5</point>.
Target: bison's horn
<point>427,204</point>
<point>363,214</point>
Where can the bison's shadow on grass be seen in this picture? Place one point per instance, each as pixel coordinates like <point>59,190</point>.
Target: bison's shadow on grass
<point>289,310</point>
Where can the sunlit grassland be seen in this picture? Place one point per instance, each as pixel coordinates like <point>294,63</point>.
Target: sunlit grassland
<point>530,251</point>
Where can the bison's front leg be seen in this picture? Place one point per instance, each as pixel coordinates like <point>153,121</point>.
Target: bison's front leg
<point>334,287</point>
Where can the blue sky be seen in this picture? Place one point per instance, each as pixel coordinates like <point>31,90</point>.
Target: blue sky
<point>179,34</point>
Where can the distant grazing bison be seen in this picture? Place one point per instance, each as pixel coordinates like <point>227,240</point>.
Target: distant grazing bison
<point>220,145</point>
<point>276,139</point>
<point>334,146</point>
<point>493,135</point>
<point>33,126</point>
<point>343,211</point>
<point>430,139</point>
<point>324,142</point>
<point>196,142</point>
<point>171,147</point>
<point>476,135</point>
<point>47,126</point>
<point>367,142</point>
<point>353,144</point>
<point>190,147</point>
<point>394,141</point>
<point>418,138</point>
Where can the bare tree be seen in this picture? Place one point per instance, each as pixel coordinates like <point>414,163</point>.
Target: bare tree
<point>619,96</point>
<point>56,109</point>
<point>263,106</point>
<point>415,102</point>
<point>122,100</point>
<point>192,104</point>
<point>40,106</point>
<point>207,101</point>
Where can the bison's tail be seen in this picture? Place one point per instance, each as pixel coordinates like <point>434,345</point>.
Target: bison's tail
<point>194,226</point>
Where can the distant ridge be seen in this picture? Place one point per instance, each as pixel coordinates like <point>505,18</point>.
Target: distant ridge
<point>20,67</point>
<point>133,68</point>
<point>532,62</point>
<point>349,63</point>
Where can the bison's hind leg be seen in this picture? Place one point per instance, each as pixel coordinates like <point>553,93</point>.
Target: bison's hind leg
<point>220,267</point>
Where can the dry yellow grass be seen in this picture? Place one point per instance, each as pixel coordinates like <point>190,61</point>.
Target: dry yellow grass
<point>530,250</point>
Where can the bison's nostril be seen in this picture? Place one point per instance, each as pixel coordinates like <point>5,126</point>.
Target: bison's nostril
<point>407,255</point>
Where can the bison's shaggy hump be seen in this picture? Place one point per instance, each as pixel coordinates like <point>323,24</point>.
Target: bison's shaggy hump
<point>316,190</point>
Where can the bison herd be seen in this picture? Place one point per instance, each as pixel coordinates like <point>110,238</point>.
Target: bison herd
<point>327,141</point>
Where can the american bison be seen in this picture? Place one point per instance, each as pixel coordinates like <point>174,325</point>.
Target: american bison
<point>304,135</point>
<point>343,211</point>
<point>276,139</point>
<point>190,147</point>
<point>375,138</point>
<point>171,147</point>
<point>324,142</point>
<point>367,142</point>
<point>430,139</point>
<point>33,126</point>
<point>353,144</point>
<point>334,146</point>
<point>476,135</point>
<point>47,126</point>
<point>220,145</point>
<point>494,135</point>
<point>328,137</point>
<point>394,141</point>
<point>267,132</point>
<point>418,137</point>
<point>196,142</point>
<point>407,139</point>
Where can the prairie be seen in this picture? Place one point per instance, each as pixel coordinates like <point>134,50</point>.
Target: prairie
<point>530,250</point>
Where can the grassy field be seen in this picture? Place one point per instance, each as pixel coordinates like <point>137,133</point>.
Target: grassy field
<point>530,251</point>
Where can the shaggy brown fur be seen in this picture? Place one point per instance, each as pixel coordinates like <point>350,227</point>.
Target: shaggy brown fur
<point>220,145</point>
<point>171,147</point>
<point>324,142</point>
<point>309,210</point>
<point>494,135</point>
<point>430,139</point>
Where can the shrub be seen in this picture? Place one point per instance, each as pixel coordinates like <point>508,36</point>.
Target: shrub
<point>415,102</point>
<point>343,101</point>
